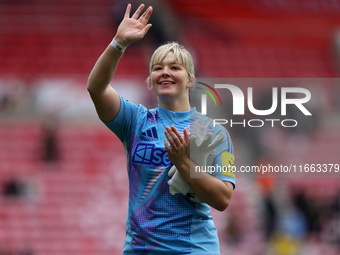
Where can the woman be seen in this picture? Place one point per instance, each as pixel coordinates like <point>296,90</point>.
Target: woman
<point>160,222</point>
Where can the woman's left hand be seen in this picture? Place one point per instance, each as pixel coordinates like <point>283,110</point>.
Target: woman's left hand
<point>178,151</point>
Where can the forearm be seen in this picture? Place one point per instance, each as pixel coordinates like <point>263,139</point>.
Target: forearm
<point>209,189</point>
<point>104,97</point>
<point>129,30</point>
<point>104,70</point>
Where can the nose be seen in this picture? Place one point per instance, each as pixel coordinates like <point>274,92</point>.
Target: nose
<point>165,71</point>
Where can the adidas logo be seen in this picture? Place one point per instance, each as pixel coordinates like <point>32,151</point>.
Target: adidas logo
<point>151,133</point>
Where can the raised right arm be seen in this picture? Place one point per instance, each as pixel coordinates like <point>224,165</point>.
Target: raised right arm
<point>104,97</point>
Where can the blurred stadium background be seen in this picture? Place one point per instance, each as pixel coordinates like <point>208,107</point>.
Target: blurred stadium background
<point>63,181</point>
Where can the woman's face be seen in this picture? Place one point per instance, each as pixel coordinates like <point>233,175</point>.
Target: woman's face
<point>170,80</point>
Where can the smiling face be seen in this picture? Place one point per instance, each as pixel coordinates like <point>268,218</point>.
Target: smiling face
<point>171,75</point>
<point>170,81</point>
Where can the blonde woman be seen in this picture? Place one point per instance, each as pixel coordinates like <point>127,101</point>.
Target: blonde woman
<point>168,210</point>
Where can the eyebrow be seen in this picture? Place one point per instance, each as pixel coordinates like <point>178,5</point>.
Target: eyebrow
<point>172,63</point>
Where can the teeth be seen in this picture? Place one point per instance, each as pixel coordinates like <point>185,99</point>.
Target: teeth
<point>164,83</point>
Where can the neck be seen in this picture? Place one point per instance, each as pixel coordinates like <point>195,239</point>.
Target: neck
<point>175,106</point>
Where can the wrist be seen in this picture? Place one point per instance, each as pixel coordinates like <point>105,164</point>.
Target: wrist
<point>118,45</point>
<point>184,168</point>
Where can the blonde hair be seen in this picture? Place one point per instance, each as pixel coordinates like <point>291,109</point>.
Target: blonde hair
<point>180,55</point>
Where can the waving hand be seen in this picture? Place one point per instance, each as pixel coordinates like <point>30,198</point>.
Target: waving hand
<point>133,29</point>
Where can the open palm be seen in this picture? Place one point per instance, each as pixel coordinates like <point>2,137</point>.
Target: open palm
<point>134,28</point>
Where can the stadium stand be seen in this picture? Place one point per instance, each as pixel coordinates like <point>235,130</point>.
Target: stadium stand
<point>77,205</point>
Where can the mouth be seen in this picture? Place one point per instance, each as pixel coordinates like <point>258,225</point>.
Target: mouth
<point>166,83</point>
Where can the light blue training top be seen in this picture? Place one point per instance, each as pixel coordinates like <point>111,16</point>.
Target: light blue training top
<point>157,221</point>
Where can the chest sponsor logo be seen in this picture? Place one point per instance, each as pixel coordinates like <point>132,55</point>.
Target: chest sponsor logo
<point>149,154</point>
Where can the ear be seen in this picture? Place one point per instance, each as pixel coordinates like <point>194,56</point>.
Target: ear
<point>191,82</point>
<point>148,83</point>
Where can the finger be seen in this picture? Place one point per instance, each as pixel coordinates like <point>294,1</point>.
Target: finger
<point>146,29</point>
<point>217,141</point>
<point>167,147</point>
<point>186,139</point>
<point>138,12</point>
<point>174,136</point>
<point>127,12</point>
<point>207,140</point>
<point>186,136</point>
<point>178,135</point>
<point>172,171</point>
<point>192,139</point>
<point>170,139</point>
<point>146,16</point>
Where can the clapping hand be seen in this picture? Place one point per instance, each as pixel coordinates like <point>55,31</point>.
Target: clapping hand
<point>201,150</point>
